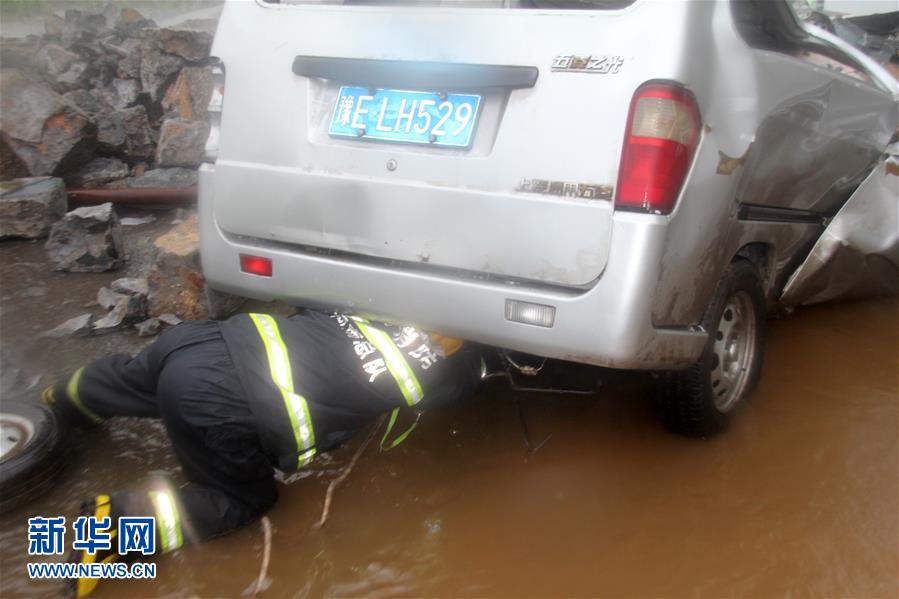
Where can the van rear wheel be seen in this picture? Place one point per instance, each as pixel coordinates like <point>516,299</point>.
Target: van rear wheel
<point>700,401</point>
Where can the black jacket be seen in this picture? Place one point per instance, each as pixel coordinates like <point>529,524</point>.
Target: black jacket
<point>342,376</point>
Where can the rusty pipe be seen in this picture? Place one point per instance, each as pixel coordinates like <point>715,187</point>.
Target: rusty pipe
<point>134,195</point>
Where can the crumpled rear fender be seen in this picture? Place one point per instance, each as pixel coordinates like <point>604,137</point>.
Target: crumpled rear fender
<point>857,255</point>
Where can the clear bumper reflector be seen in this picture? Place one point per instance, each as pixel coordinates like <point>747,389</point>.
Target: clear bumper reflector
<point>527,313</point>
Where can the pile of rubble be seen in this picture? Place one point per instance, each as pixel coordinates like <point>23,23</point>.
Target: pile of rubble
<point>91,240</point>
<point>106,100</point>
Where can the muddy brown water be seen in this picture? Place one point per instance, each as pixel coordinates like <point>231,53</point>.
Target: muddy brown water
<point>799,498</point>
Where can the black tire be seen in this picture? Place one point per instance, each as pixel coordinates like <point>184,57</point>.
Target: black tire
<point>700,401</point>
<point>32,454</point>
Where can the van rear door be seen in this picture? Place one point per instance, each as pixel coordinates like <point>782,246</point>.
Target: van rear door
<point>467,138</point>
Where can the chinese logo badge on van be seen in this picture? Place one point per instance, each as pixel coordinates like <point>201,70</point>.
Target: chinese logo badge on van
<point>587,64</point>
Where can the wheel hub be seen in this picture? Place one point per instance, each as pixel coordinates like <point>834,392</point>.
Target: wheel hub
<point>15,434</point>
<point>734,350</point>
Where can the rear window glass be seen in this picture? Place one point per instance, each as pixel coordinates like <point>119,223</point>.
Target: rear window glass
<point>551,4</point>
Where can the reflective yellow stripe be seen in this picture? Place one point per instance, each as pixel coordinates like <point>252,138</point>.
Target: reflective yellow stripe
<point>396,363</point>
<point>278,360</point>
<point>167,520</point>
<point>297,407</point>
<point>72,392</point>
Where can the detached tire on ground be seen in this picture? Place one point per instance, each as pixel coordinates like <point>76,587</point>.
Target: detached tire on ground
<point>31,452</point>
<point>700,401</point>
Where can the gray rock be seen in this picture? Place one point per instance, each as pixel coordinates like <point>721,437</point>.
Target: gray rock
<point>165,177</point>
<point>80,326</point>
<point>139,142</point>
<point>169,319</point>
<point>46,134</point>
<point>54,60</point>
<point>89,103</point>
<point>157,68</point>
<point>130,22</point>
<point>99,172</point>
<point>188,97</point>
<point>139,169</point>
<point>103,71</point>
<point>107,298</point>
<point>78,76</point>
<point>181,143</point>
<point>180,216</point>
<point>130,286</point>
<point>114,319</point>
<point>11,166</point>
<point>220,305</point>
<point>86,240</point>
<point>127,309</point>
<point>126,91</point>
<point>29,207</point>
<point>131,221</point>
<point>110,132</point>
<point>190,44</point>
<point>125,133</point>
<point>176,284</point>
<point>148,328</point>
<point>128,52</point>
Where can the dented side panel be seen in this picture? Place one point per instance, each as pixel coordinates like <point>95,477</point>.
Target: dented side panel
<point>784,130</point>
<point>857,256</point>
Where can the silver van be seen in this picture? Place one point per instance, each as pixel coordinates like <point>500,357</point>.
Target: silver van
<point>626,183</point>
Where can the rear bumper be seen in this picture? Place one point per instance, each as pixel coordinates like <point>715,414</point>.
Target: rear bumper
<point>608,324</point>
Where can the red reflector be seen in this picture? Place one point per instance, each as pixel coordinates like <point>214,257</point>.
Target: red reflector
<point>661,137</point>
<point>256,265</point>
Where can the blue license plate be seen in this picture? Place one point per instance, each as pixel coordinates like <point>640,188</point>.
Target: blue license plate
<point>405,116</point>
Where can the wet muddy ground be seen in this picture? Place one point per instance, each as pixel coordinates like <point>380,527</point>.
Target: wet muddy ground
<point>799,498</point>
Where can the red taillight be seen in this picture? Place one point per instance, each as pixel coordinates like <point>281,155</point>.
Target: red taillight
<point>661,136</point>
<point>256,265</point>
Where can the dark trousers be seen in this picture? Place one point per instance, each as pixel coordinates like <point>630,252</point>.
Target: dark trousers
<point>187,378</point>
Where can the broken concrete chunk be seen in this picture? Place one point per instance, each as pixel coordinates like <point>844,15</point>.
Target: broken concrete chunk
<point>88,102</point>
<point>125,132</point>
<point>86,240</point>
<point>80,326</point>
<point>148,328</point>
<point>54,60</point>
<point>169,319</point>
<point>130,22</point>
<point>190,44</point>
<point>99,172</point>
<point>132,221</point>
<point>120,94</point>
<point>30,206</point>
<point>128,51</point>
<point>78,76</point>
<point>46,134</point>
<point>127,310</point>
<point>107,298</point>
<point>188,97</point>
<point>139,141</point>
<point>157,68</point>
<point>176,283</point>
<point>181,143</point>
<point>130,286</point>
